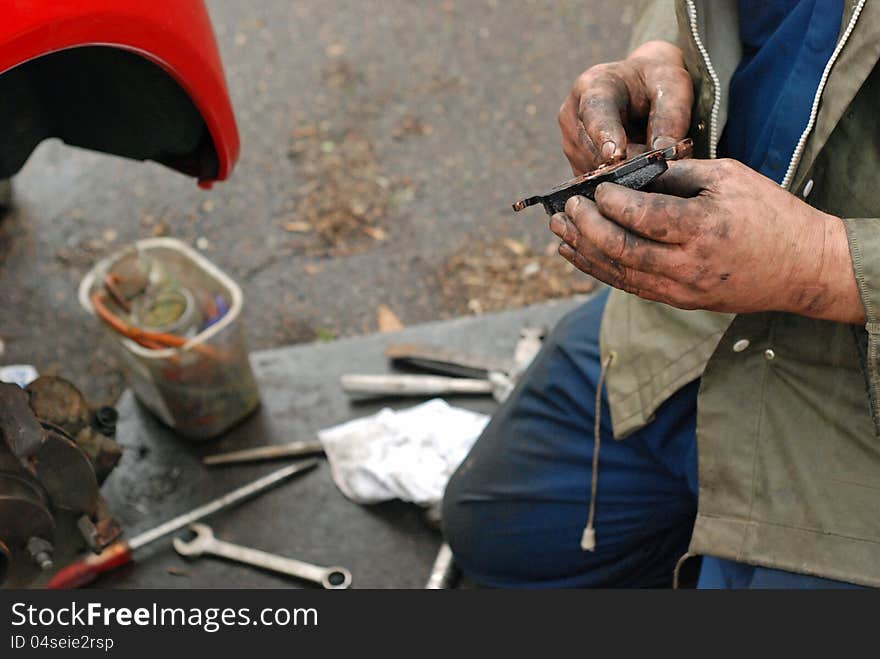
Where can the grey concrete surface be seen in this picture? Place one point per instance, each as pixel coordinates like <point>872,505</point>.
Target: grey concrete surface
<point>455,100</point>
<point>387,545</point>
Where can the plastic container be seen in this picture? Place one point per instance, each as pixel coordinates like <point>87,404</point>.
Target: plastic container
<point>206,386</point>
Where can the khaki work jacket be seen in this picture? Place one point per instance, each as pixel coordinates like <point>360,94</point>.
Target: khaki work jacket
<point>788,421</point>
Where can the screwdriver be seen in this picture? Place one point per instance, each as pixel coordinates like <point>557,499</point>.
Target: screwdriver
<point>260,453</point>
<point>121,553</point>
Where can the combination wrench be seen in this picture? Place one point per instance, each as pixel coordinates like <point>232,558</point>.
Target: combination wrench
<point>205,543</point>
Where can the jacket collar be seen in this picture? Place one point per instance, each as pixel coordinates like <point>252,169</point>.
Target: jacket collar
<point>853,66</point>
<point>857,59</point>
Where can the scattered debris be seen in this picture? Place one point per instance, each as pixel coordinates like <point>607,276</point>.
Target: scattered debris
<point>335,50</point>
<point>161,228</point>
<point>341,74</point>
<point>506,274</point>
<point>387,320</point>
<point>297,226</point>
<point>411,126</point>
<point>515,246</point>
<point>376,233</point>
<point>346,196</point>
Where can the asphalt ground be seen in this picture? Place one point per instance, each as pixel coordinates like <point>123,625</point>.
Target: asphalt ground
<point>382,143</point>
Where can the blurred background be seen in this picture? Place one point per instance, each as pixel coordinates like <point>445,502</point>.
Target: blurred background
<point>383,142</point>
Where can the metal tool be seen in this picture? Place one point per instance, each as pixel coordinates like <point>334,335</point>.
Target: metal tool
<point>430,358</point>
<point>412,385</point>
<point>205,543</point>
<point>262,453</point>
<point>121,553</point>
<point>496,383</point>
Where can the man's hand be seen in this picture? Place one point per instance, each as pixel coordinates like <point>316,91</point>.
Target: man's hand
<point>623,108</point>
<point>716,235</point>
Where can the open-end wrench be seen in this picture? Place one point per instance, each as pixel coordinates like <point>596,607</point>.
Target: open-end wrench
<point>206,543</point>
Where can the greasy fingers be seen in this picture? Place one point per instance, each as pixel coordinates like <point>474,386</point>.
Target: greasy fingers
<point>671,95</point>
<point>687,178</point>
<point>611,106</point>
<point>659,217</point>
<point>644,285</point>
<point>615,242</point>
<point>578,148</point>
<point>603,107</point>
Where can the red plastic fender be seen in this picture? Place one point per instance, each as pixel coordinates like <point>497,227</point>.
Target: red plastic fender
<point>176,35</point>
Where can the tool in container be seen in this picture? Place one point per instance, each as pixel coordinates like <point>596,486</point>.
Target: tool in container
<point>262,453</point>
<point>634,173</point>
<point>205,543</point>
<point>122,553</point>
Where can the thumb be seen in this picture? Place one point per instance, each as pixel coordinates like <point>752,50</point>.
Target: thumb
<point>685,178</point>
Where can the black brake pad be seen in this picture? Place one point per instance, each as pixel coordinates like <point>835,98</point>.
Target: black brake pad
<point>634,173</point>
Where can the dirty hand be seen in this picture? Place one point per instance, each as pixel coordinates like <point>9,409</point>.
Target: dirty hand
<point>616,110</point>
<point>714,235</point>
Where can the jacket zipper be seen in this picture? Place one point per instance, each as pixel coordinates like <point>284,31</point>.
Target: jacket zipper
<point>799,149</point>
<point>716,84</point>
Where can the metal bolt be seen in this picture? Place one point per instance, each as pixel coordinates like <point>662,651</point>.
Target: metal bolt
<point>41,551</point>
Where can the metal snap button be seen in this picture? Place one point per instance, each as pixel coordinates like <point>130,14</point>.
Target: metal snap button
<point>740,345</point>
<point>808,188</point>
<point>769,354</point>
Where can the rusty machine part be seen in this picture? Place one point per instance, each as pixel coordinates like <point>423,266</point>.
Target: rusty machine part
<point>55,451</point>
<point>634,173</point>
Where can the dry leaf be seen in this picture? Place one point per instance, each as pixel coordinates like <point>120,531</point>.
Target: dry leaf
<point>515,246</point>
<point>335,50</point>
<point>387,319</point>
<point>307,130</point>
<point>376,233</point>
<point>297,226</point>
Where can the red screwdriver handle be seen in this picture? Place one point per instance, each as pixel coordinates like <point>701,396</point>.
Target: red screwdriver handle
<point>84,572</point>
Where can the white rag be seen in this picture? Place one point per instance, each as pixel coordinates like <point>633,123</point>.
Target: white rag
<point>408,454</point>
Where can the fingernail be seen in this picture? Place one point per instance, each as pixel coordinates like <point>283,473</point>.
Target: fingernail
<point>608,149</point>
<point>557,225</point>
<point>572,204</point>
<point>662,141</point>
